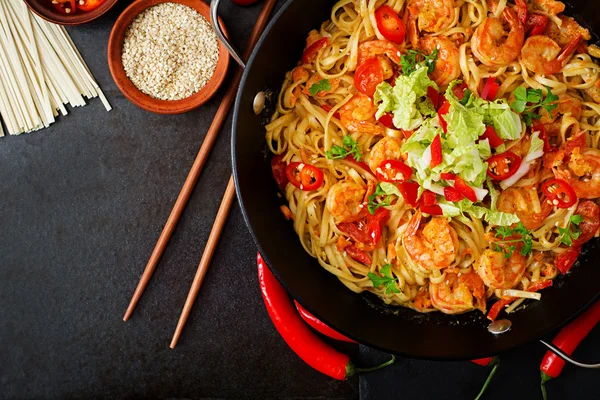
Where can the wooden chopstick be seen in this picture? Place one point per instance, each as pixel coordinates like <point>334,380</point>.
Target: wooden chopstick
<point>209,250</point>
<point>199,162</point>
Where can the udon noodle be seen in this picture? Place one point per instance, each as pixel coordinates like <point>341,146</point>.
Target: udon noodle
<point>418,238</point>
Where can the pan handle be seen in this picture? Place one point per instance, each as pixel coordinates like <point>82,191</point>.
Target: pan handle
<point>214,18</point>
<point>568,358</point>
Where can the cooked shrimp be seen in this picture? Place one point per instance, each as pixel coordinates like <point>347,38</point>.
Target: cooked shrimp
<point>552,7</point>
<point>430,16</point>
<point>564,105</point>
<point>345,201</point>
<point>374,48</point>
<point>358,115</point>
<point>543,55</point>
<point>594,91</point>
<point>500,272</point>
<point>316,78</point>
<point>434,246</point>
<point>458,294</point>
<point>422,300</point>
<point>386,149</point>
<point>569,30</point>
<point>299,76</point>
<point>524,202</point>
<point>447,67</point>
<point>583,173</point>
<point>495,47</point>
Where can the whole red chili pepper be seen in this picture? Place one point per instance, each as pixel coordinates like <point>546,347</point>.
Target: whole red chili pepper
<point>567,340</point>
<point>298,336</point>
<point>484,362</point>
<point>319,326</point>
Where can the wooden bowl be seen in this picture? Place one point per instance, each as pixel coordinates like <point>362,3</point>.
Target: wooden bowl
<point>44,9</point>
<point>141,99</point>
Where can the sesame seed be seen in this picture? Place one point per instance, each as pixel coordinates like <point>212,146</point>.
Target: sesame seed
<point>170,51</point>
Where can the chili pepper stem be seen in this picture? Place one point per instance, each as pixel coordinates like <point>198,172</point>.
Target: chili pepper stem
<point>488,380</point>
<point>351,369</point>
<point>545,378</point>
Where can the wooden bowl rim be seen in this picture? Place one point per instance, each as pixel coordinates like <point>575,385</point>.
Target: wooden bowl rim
<point>141,99</point>
<point>47,13</point>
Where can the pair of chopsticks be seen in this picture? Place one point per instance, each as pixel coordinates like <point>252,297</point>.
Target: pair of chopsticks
<point>189,185</point>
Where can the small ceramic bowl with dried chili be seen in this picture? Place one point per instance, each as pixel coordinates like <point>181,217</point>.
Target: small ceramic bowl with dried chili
<point>70,12</point>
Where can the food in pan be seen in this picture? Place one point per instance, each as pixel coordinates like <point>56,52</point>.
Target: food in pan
<point>442,154</point>
<point>75,6</point>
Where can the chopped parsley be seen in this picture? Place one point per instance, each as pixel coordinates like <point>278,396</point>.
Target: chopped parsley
<point>319,86</point>
<point>572,231</point>
<point>509,246</point>
<point>372,204</point>
<point>387,280</point>
<point>412,58</point>
<point>527,101</point>
<point>350,147</point>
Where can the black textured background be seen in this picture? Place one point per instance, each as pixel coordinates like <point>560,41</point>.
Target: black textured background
<point>82,204</point>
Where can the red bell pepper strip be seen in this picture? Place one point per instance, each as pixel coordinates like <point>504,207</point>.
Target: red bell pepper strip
<point>436,152</point>
<point>448,176</point>
<point>375,224</point>
<point>567,340</point>
<point>559,193</point>
<point>319,326</point>
<point>434,96</point>
<point>490,89</point>
<point>465,189</point>
<point>453,195</point>
<point>304,176</point>
<point>409,191</point>
<point>444,108</point>
<point>387,120</point>
<point>310,348</point>
<point>428,198</point>
<point>431,210</point>
<point>311,51</point>
<point>491,135</point>
<point>564,261</point>
<point>393,171</point>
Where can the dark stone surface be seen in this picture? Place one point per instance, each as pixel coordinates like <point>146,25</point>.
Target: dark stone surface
<point>83,203</point>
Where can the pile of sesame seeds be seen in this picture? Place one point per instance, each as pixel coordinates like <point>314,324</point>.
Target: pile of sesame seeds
<point>170,51</point>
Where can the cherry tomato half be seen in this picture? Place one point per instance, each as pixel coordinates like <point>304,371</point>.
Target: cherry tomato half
<point>559,193</point>
<point>65,6</point>
<point>564,261</point>
<point>89,5</point>
<point>503,166</point>
<point>304,176</point>
<point>591,221</point>
<point>393,171</point>
<point>311,51</point>
<point>390,25</point>
<point>368,75</point>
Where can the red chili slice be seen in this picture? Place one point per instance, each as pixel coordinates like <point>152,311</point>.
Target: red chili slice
<point>390,25</point>
<point>409,191</point>
<point>490,89</point>
<point>368,75</point>
<point>311,51</point>
<point>393,171</point>
<point>434,96</point>
<point>559,193</point>
<point>564,261</point>
<point>451,194</point>
<point>464,189</point>
<point>503,166</point>
<point>428,198</point>
<point>278,168</point>
<point>445,107</point>
<point>436,152</point>
<point>448,176</point>
<point>491,135</point>
<point>89,5</point>
<point>311,177</point>
<point>591,221</point>
<point>387,120</point>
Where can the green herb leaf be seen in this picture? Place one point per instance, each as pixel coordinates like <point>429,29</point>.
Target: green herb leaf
<point>572,231</point>
<point>387,280</point>
<point>576,219</point>
<point>528,101</point>
<point>412,58</point>
<point>317,87</point>
<point>372,204</point>
<point>516,235</point>
<point>350,147</point>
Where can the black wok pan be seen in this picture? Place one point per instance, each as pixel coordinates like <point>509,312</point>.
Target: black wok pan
<point>363,317</point>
